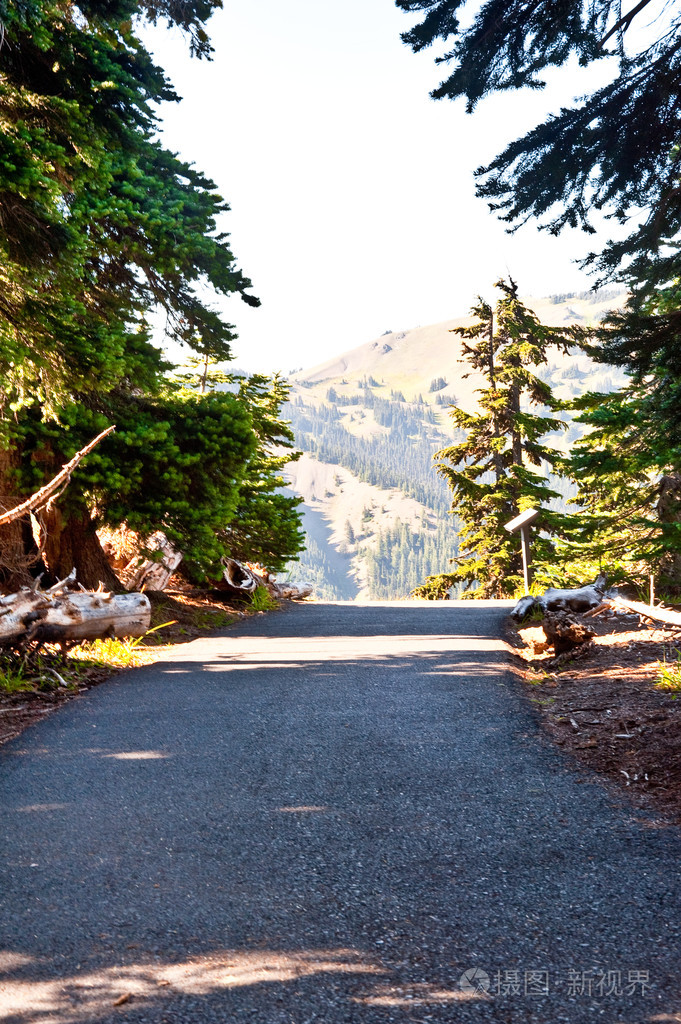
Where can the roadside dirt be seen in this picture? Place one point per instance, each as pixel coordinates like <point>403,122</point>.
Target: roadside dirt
<point>604,708</point>
<point>191,614</point>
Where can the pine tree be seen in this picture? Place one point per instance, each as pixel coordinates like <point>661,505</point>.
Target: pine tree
<point>628,473</point>
<point>628,467</point>
<point>100,229</point>
<point>616,151</point>
<point>266,525</point>
<point>498,470</point>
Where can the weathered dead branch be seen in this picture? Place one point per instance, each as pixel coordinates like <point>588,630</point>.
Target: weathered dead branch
<point>645,611</point>
<point>52,490</point>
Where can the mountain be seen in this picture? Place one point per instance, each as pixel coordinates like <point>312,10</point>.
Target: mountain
<point>409,360</point>
<point>369,422</point>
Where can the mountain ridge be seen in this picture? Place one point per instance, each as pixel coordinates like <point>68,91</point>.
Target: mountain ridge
<point>410,359</point>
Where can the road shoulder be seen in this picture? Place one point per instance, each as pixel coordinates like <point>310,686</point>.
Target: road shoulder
<point>604,707</point>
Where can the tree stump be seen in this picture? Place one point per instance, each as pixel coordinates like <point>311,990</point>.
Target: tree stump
<point>564,631</point>
<point>155,572</point>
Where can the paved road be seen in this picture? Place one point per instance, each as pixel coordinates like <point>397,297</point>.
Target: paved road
<point>330,815</point>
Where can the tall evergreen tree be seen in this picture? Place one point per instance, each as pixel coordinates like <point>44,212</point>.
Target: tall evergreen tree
<point>499,469</point>
<point>615,151</point>
<point>266,526</point>
<point>101,228</point>
<point>100,224</point>
<point>627,470</point>
<point>628,467</point>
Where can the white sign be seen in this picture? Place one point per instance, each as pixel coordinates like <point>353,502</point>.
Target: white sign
<point>524,519</point>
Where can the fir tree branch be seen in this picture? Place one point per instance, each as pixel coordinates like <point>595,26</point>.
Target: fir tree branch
<point>624,22</point>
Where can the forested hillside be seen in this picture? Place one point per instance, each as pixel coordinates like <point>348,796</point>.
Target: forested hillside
<point>370,421</point>
<point>399,455</point>
<point>388,549</point>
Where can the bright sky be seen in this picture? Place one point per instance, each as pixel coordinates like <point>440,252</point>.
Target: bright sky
<point>352,193</point>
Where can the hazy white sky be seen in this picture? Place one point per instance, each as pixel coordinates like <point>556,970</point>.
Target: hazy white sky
<point>352,193</point>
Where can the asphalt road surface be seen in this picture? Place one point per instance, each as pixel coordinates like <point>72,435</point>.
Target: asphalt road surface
<point>333,813</point>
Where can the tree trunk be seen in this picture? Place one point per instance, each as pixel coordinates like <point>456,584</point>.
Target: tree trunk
<point>72,543</point>
<point>17,547</point>
<point>669,511</point>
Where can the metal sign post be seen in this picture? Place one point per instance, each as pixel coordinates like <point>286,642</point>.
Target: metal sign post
<point>522,523</point>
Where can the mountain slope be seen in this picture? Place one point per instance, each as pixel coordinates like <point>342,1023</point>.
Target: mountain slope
<point>369,422</point>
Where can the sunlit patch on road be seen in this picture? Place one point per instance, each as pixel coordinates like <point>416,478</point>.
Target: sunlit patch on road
<point>80,996</point>
<point>138,755</point>
<point>416,995</point>
<point>306,809</point>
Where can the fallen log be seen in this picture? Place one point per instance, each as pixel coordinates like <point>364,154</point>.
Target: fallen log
<point>243,579</point>
<point>555,599</point>
<point>155,572</point>
<point>60,614</point>
<point>240,579</point>
<point>287,591</point>
<point>646,611</point>
<point>291,591</point>
<point>579,600</point>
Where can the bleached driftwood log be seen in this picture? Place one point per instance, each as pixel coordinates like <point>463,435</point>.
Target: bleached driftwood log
<point>240,579</point>
<point>292,591</point>
<point>61,614</point>
<point>154,573</point>
<point>243,579</point>
<point>646,611</point>
<point>554,599</point>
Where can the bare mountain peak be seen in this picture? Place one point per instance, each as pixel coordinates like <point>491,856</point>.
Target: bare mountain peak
<point>409,359</point>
